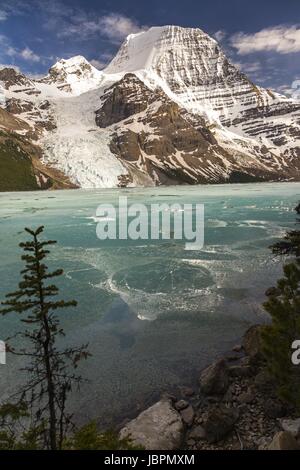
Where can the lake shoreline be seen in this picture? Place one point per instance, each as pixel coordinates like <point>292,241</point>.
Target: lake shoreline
<point>234,407</point>
<point>139,188</point>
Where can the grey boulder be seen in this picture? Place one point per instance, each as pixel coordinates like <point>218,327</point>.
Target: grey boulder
<point>220,421</point>
<point>160,427</point>
<point>214,380</point>
<point>283,440</point>
<point>291,425</point>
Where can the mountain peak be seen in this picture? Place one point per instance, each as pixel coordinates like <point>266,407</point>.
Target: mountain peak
<point>160,46</point>
<point>187,63</point>
<point>74,75</point>
<point>166,32</point>
<point>76,61</point>
<point>10,76</point>
<point>77,65</point>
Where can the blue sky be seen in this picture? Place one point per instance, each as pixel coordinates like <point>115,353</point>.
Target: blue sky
<point>261,36</point>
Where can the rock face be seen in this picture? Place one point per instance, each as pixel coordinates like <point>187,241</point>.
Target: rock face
<point>240,371</point>
<point>169,109</point>
<point>197,434</point>
<point>273,408</point>
<point>20,166</point>
<point>11,78</point>
<point>199,74</point>
<point>284,441</point>
<point>128,97</point>
<point>188,415</point>
<point>181,405</point>
<point>246,397</point>
<point>219,422</point>
<point>215,379</point>
<point>159,427</point>
<point>292,426</point>
<point>160,138</point>
<point>23,100</point>
<point>252,342</point>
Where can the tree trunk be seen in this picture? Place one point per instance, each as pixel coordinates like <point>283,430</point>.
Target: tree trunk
<point>46,343</point>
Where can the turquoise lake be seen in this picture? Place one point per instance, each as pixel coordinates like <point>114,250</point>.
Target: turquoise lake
<point>153,314</point>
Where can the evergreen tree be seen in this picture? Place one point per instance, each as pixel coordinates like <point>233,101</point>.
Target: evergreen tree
<point>283,305</point>
<point>50,370</point>
<point>290,245</point>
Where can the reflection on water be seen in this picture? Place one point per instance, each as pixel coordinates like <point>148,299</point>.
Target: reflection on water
<point>152,313</point>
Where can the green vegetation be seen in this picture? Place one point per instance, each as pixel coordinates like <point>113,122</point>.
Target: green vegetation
<point>290,245</point>
<point>13,436</point>
<point>89,438</point>
<point>283,305</point>
<point>16,170</point>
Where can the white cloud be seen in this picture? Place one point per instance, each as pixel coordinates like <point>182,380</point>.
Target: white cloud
<point>102,61</point>
<point>114,26</point>
<point>3,15</point>
<point>34,76</point>
<point>28,54</point>
<point>6,47</point>
<point>281,39</point>
<point>16,7</point>
<point>10,51</point>
<point>117,27</point>
<point>220,35</point>
<point>74,21</point>
<point>285,90</point>
<point>99,64</point>
<point>249,67</point>
<point>3,40</point>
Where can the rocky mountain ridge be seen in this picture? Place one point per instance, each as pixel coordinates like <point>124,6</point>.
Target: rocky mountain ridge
<point>170,108</point>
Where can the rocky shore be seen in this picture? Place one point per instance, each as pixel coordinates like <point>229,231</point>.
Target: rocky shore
<point>234,408</point>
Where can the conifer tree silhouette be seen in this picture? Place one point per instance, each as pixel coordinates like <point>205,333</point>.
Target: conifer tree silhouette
<point>283,305</point>
<point>50,371</point>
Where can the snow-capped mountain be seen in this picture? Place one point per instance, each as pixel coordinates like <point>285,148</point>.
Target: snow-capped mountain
<point>169,109</point>
<point>75,75</point>
<point>192,69</point>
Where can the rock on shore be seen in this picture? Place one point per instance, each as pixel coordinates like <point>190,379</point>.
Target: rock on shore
<point>160,427</point>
